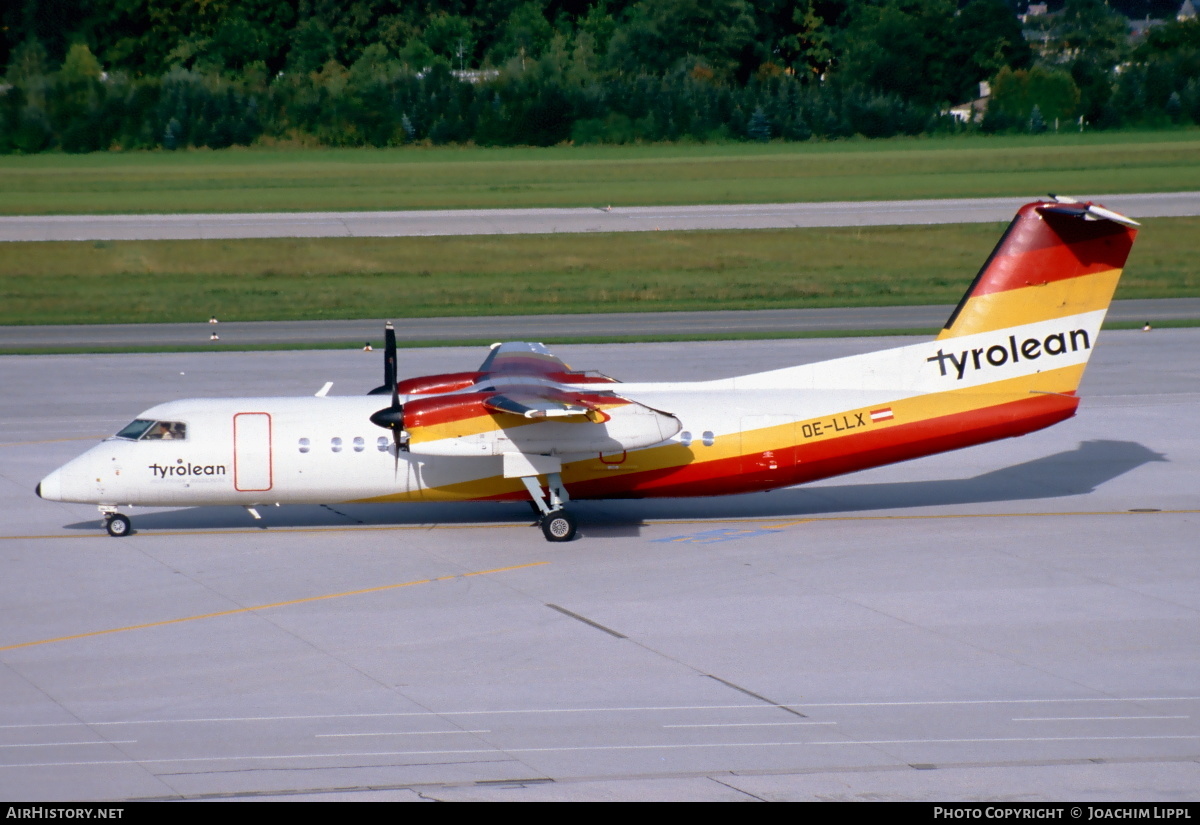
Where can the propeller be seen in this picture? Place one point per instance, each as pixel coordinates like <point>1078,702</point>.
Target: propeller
<point>389,363</point>
<point>390,418</point>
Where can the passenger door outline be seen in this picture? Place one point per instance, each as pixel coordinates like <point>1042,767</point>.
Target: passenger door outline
<point>253,457</point>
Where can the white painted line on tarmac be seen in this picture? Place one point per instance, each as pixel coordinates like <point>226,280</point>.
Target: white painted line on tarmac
<point>751,725</point>
<point>593,748</point>
<point>1089,718</point>
<point>399,733</point>
<point>629,709</point>
<point>66,744</point>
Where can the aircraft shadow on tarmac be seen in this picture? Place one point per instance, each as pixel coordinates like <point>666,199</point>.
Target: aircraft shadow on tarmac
<point>1069,473</point>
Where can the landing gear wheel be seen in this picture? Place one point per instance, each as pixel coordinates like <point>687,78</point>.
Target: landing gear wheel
<point>118,525</point>
<point>558,526</point>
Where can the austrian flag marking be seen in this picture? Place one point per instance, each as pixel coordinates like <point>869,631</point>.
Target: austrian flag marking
<point>884,414</point>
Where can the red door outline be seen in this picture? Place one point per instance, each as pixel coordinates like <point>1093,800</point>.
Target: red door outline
<point>270,456</point>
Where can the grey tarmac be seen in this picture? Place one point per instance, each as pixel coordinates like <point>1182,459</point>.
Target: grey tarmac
<point>542,221</point>
<point>1012,621</point>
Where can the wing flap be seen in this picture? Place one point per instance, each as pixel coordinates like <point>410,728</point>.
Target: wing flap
<point>544,403</point>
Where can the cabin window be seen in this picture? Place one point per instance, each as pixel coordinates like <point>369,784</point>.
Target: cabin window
<point>707,437</point>
<point>336,444</point>
<point>359,444</point>
<point>685,438</point>
<point>381,444</point>
<point>304,445</point>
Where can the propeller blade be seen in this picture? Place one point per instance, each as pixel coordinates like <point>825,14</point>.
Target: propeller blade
<point>389,364</point>
<point>389,356</point>
<point>391,417</point>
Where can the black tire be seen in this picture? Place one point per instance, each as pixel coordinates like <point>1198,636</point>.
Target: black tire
<point>118,525</point>
<point>559,526</point>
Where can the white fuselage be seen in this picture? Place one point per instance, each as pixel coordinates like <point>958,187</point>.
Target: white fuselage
<point>251,451</point>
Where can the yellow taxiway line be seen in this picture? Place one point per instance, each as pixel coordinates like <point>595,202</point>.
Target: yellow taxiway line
<point>235,611</point>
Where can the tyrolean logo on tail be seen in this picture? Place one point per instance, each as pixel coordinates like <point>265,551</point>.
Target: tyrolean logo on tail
<point>997,355</point>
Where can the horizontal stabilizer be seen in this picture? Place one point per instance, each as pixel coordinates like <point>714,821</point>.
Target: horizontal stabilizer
<point>1088,212</point>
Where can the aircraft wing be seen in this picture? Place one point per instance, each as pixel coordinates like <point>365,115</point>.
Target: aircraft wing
<point>525,358</point>
<point>522,357</point>
<point>545,402</point>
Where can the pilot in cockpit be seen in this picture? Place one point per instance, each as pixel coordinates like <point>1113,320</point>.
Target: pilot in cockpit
<point>166,431</point>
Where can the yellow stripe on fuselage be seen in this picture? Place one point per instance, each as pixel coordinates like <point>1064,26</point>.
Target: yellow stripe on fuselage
<point>777,437</point>
<point>1036,302</point>
<point>919,408</point>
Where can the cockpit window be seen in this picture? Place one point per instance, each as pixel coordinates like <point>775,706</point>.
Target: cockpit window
<point>135,429</point>
<point>143,430</point>
<point>166,431</point>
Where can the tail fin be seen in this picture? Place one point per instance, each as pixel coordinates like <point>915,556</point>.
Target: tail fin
<point>1057,259</point>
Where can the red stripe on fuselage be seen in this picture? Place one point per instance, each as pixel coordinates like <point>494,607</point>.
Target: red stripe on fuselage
<point>824,459</point>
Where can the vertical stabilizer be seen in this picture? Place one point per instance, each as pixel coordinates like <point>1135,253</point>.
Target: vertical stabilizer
<point>1056,260</point>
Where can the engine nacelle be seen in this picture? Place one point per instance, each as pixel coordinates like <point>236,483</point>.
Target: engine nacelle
<point>431,384</point>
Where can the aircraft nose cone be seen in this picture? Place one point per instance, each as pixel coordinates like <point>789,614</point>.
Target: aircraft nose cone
<point>50,487</point>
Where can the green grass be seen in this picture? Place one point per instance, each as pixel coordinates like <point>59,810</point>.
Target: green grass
<point>583,339</point>
<point>450,178</point>
<point>296,279</point>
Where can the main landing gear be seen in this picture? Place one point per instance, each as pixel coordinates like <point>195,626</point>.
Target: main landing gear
<point>117,524</point>
<point>556,523</point>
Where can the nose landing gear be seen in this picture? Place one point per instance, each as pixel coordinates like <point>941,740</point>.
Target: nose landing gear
<point>117,524</point>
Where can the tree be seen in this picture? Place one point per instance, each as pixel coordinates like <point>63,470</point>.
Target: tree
<point>55,24</point>
<point>451,38</point>
<point>759,128</point>
<point>27,66</point>
<point>1016,94</point>
<point>312,46</point>
<point>1089,30</point>
<point>1037,123</point>
<point>1091,40</point>
<point>1172,36</point>
<point>76,110</point>
<point>986,37</point>
<point>80,65</point>
<point>899,47</point>
<point>237,42</point>
<point>526,35</point>
<point>807,47</point>
<point>29,128</point>
<point>660,35</point>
